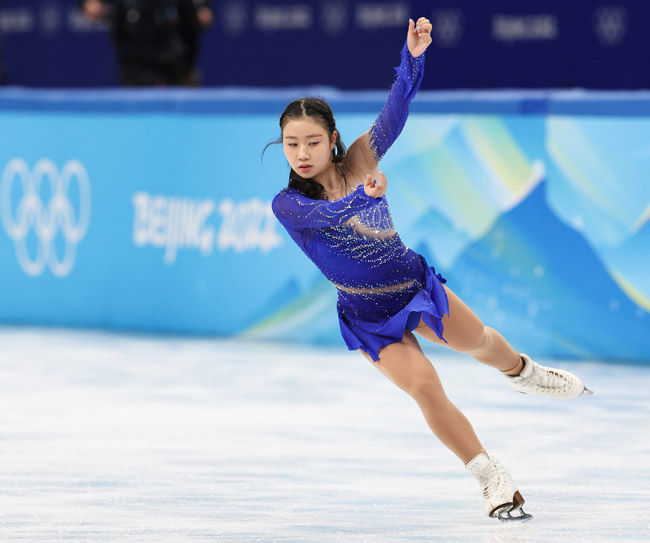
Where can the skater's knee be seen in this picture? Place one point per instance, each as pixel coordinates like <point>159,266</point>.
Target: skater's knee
<point>427,391</point>
<point>474,341</point>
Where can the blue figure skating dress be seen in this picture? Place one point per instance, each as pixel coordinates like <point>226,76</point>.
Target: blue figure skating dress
<point>383,286</point>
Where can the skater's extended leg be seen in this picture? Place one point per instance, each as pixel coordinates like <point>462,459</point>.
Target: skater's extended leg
<point>406,366</point>
<point>466,333</point>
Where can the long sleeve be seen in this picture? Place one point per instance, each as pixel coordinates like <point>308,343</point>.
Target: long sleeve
<point>391,120</point>
<point>297,212</point>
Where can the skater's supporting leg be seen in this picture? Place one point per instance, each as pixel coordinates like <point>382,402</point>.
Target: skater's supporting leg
<point>466,333</point>
<point>406,366</point>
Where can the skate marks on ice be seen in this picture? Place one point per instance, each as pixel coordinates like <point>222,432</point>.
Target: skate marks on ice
<point>124,438</point>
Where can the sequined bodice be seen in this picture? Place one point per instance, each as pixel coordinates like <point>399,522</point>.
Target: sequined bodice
<point>352,240</point>
<point>364,253</point>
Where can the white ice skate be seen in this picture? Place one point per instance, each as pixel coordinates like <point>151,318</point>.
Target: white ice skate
<point>548,382</point>
<point>499,490</point>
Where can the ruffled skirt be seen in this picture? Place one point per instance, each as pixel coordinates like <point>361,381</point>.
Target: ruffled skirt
<point>372,321</point>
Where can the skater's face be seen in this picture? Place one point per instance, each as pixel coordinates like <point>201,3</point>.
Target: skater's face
<point>308,146</point>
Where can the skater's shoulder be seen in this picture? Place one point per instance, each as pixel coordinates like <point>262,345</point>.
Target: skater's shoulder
<point>290,202</point>
<point>288,195</point>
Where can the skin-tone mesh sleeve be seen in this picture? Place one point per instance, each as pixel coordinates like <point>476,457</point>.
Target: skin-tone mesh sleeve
<point>391,120</point>
<point>297,212</point>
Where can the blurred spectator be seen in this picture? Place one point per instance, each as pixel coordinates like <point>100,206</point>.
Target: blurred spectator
<point>157,41</point>
<point>3,71</point>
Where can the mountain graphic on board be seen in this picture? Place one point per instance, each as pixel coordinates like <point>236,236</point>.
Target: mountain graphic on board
<point>443,240</point>
<point>630,263</point>
<point>544,288</point>
<point>300,315</point>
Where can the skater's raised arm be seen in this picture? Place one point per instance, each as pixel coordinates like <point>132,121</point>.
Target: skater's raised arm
<point>372,146</point>
<point>390,122</point>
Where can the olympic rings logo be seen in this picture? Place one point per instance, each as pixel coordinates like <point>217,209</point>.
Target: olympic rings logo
<point>45,219</point>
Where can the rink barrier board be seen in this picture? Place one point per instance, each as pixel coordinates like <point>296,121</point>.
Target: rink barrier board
<point>180,237</point>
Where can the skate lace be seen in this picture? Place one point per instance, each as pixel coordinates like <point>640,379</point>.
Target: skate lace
<point>492,479</point>
<point>547,380</point>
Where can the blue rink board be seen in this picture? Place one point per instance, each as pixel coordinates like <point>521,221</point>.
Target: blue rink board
<point>150,210</point>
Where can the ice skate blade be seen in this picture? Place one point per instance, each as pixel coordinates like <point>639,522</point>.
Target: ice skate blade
<point>586,392</point>
<point>506,515</point>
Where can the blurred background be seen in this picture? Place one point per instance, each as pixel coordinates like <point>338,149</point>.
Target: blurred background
<point>522,174</point>
<point>597,44</point>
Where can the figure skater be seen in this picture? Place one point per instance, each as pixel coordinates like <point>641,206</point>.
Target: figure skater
<point>335,210</point>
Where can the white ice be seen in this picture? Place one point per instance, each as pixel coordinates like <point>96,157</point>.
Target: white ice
<point>138,439</point>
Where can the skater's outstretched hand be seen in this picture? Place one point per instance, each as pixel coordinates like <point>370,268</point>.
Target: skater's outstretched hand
<point>419,36</point>
<point>375,187</point>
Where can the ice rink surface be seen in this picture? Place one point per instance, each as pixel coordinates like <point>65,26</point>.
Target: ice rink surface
<point>139,439</point>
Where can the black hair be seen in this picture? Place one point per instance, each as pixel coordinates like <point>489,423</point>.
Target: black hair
<point>318,109</point>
